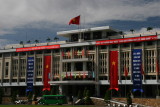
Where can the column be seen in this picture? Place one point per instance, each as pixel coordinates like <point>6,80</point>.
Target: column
<point>130,69</point>
<point>84,66</point>
<point>2,67</point>
<point>10,73</point>
<point>51,72</point>
<point>108,63</point>
<point>42,65</point>
<point>26,67</point>
<point>156,59</point>
<point>34,73</point>
<point>119,62</point>
<point>97,91</point>
<point>61,65</point>
<point>18,72</point>
<point>143,60</point>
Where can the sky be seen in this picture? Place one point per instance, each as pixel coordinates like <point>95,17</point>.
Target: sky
<point>23,20</point>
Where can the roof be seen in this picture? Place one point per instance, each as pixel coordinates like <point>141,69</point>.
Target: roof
<point>69,32</point>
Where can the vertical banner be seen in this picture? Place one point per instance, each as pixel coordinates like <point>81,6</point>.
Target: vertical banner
<point>46,75</point>
<point>113,69</point>
<point>136,69</point>
<point>30,69</point>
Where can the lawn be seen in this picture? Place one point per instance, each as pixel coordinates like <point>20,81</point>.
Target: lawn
<point>49,106</point>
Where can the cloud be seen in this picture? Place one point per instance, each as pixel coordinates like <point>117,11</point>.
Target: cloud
<point>33,13</point>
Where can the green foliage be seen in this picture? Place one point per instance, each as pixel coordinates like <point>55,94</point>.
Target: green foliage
<point>80,96</point>
<point>30,94</point>
<point>14,96</point>
<point>129,99</point>
<point>158,93</point>
<point>54,91</point>
<point>1,95</point>
<point>87,99</point>
<point>84,92</point>
<point>46,92</point>
<point>107,96</point>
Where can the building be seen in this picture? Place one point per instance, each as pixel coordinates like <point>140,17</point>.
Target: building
<point>84,60</point>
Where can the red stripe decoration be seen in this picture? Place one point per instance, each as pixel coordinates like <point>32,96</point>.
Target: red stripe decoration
<point>37,48</point>
<point>113,70</point>
<point>47,69</point>
<point>127,40</point>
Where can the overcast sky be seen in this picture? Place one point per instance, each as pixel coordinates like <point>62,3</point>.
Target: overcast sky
<point>39,19</point>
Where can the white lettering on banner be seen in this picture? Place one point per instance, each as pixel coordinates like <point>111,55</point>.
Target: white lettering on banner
<point>127,40</point>
<point>37,48</point>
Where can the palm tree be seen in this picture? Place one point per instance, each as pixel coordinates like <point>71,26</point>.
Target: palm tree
<point>21,43</point>
<point>132,30</point>
<point>36,41</point>
<point>149,29</point>
<point>55,38</point>
<point>121,33</point>
<point>48,39</point>
<point>28,41</point>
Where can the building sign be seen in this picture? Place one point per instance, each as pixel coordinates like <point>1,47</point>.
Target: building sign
<point>127,40</point>
<point>30,70</point>
<point>37,48</point>
<point>136,69</point>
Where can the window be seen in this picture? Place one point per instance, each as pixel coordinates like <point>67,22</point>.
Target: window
<point>97,35</point>
<point>74,37</point>
<point>86,36</point>
<point>137,44</point>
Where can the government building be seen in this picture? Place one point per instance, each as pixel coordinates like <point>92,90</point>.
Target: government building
<point>98,59</point>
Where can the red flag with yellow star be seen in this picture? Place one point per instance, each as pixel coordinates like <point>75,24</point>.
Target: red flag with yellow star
<point>75,20</point>
<point>113,70</point>
<point>46,75</point>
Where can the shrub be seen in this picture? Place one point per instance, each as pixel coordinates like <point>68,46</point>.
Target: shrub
<point>46,92</point>
<point>30,94</point>
<point>129,99</point>
<point>1,95</point>
<point>107,96</point>
<point>80,96</point>
<point>84,92</point>
<point>14,96</point>
<point>87,99</point>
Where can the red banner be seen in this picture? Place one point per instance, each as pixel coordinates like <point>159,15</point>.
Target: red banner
<point>127,40</point>
<point>113,70</point>
<point>46,75</point>
<point>37,48</point>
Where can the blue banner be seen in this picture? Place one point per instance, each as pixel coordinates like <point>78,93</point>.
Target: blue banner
<point>30,69</point>
<point>136,69</point>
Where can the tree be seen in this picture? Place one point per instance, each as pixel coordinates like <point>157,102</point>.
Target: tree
<point>87,98</point>
<point>1,95</point>
<point>56,38</point>
<point>80,96</point>
<point>21,42</point>
<point>28,41</point>
<point>29,97</point>
<point>149,29</point>
<point>107,96</point>
<point>48,39</point>
<point>84,92</point>
<point>132,30</point>
<point>46,92</point>
<point>129,99</point>
<point>36,41</point>
<point>14,96</point>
